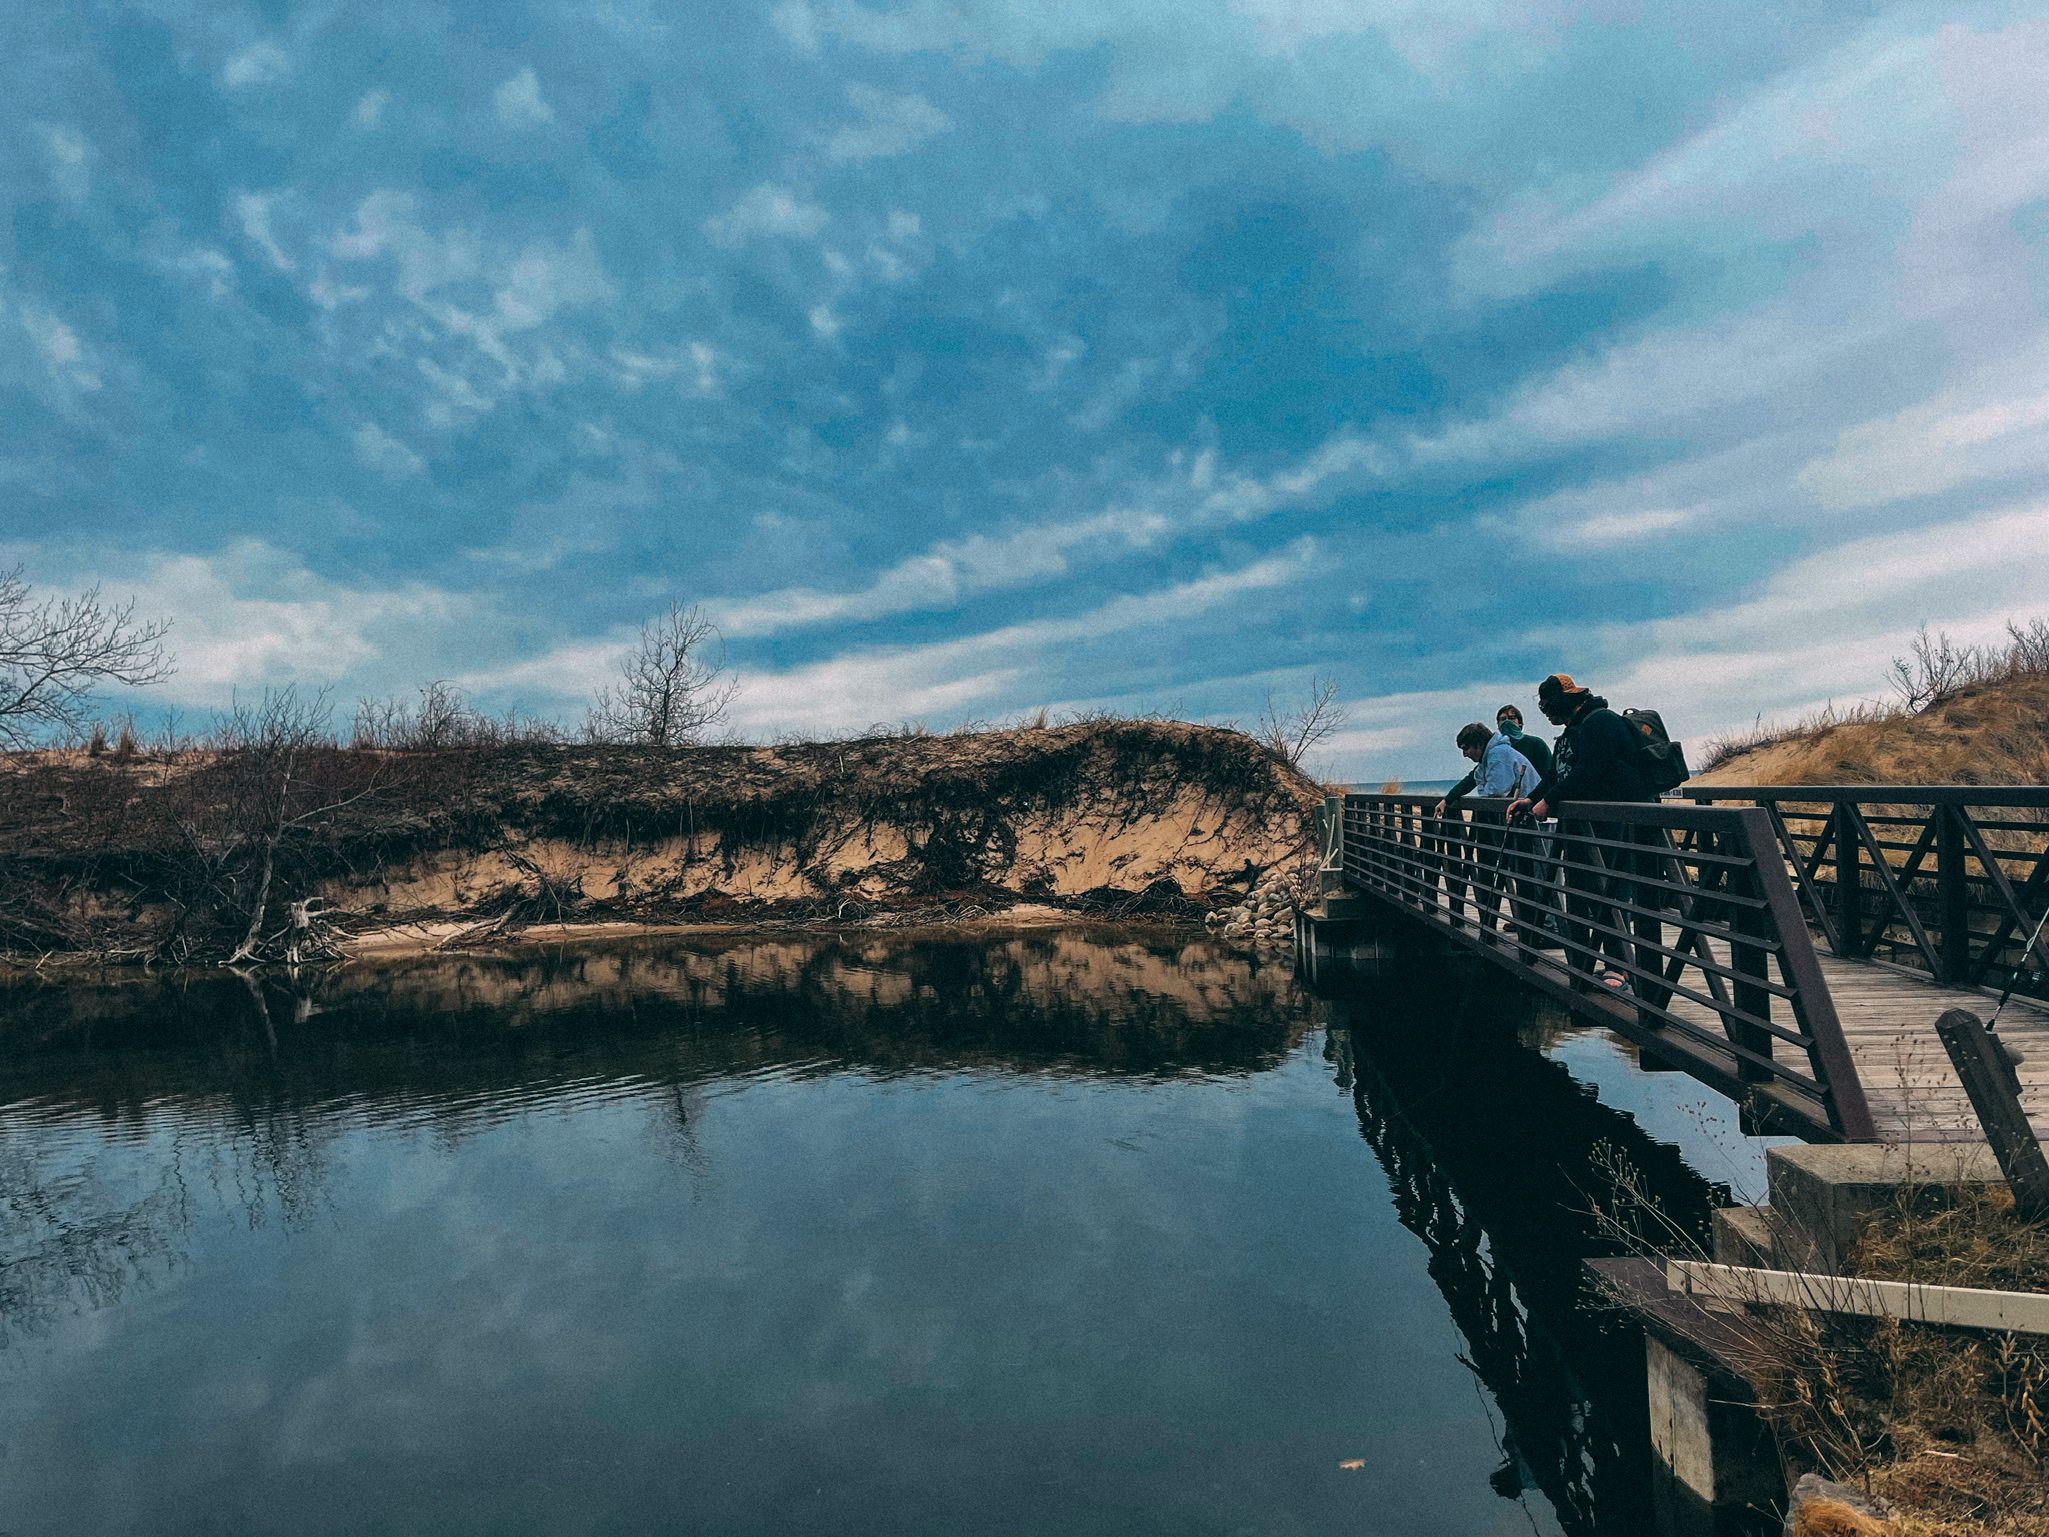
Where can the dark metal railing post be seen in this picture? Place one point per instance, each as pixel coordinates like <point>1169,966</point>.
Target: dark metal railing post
<point>1330,878</point>
<point>1952,895</point>
<point>1752,962</point>
<point>1849,853</point>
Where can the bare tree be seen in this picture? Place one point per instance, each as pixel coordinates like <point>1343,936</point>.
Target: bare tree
<point>1294,730</point>
<point>252,815</point>
<point>55,651</point>
<point>1935,668</point>
<point>671,688</point>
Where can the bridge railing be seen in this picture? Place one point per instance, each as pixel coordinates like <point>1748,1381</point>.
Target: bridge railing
<point>1693,905</point>
<point>1947,880</point>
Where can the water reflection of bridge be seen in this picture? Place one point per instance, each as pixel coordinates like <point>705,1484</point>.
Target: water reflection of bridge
<point>1495,1157</point>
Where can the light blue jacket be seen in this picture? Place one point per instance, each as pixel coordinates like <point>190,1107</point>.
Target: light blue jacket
<point>1502,771</point>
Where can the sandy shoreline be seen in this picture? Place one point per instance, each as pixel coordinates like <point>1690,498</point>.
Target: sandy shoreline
<point>420,938</point>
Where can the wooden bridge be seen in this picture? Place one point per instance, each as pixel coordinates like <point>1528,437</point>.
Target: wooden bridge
<point>1790,946</point>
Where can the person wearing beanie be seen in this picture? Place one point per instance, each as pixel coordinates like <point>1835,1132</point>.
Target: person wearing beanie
<point>1597,759</point>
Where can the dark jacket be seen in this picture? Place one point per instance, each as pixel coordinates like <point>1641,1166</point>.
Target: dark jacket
<point>1531,747</point>
<point>1597,760</point>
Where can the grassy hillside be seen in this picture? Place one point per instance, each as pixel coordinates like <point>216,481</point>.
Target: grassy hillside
<point>1959,715</point>
<point>197,854</point>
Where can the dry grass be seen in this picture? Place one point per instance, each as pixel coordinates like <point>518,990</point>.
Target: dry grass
<point>1978,1240</point>
<point>1950,1427</point>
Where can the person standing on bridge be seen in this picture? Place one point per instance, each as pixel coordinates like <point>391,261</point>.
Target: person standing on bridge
<point>1598,759</point>
<point>1500,773</point>
<point>1508,720</point>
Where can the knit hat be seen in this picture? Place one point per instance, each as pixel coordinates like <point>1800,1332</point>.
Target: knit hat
<point>1559,685</point>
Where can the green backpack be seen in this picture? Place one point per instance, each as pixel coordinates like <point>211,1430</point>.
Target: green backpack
<point>1663,760</point>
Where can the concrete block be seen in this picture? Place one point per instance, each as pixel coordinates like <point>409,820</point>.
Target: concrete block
<point>1719,1451</point>
<point>1828,1192</point>
<point>1679,1418</point>
<point>1761,1237</point>
<point>1744,1235</point>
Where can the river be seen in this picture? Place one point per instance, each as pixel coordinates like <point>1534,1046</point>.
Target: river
<point>1063,1232</point>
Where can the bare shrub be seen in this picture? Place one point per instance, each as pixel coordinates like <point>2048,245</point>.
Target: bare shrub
<point>441,718</point>
<point>272,780</point>
<point>1295,730</point>
<point>1935,668</point>
<point>54,652</point>
<point>2026,653</point>
<point>672,687</point>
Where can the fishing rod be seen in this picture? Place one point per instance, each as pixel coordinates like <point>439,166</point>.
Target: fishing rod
<point>2013,979</point>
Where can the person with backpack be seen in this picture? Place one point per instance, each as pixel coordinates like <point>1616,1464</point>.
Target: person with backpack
<point>1603,756</point>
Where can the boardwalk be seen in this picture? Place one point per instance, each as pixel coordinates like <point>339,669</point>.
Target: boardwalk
<point>1889,1019</point>
<point>1728,982</point>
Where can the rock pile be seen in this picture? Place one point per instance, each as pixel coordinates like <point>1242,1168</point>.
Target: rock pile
<point>1265,920</point>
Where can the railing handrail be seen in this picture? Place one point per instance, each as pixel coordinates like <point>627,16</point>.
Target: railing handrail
<point>1678,815</point>
<point>1438,866</point>
<point>1867,794</point>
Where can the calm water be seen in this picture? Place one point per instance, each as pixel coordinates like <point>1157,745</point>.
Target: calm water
<point>1052,1234</point>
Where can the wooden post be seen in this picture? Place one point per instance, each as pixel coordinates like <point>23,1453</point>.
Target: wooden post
<point>1952,896</point>
<point>1849,884</point>
<point>1986,1066</point>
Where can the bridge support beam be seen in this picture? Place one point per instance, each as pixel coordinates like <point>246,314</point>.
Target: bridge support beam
<point>1344,933</point>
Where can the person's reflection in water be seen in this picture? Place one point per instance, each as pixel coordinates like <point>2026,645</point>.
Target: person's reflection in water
<point>1513,1477</point>
<point>1337,1051</point>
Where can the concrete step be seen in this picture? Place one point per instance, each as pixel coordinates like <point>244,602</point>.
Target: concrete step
<point>1827,1193</point>
<point>1746,1235</point>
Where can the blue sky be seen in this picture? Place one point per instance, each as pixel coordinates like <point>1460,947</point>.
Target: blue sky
<point>963,357</point>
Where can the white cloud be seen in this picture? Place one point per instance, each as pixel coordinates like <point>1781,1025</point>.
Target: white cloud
<point>204,262</point>
<point>1716,491</point>
<point>62,352</point>
<point>254,210</point>
<point>519,103</point>
<point>856,689</point>
<point>249,615</point>
<point>1787,352</point>
<point>368,112</point>
<point>387,225</point>
<point>386,454</point>
<point>1111,399</point>
<point>794,20</point>
<point>545,279</point>
<point>825,322</point>
<point>1952,438</point>
<point>1336,462</point>
<point>263,63</point>
<point>69,155</point>
<point>768,211</point>
<point>1604,530</point>
<point>455,400</point>
<point>1829,623</point>
<point>696,364</point>
<point>1194,498</point>
<point>888,125</point>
